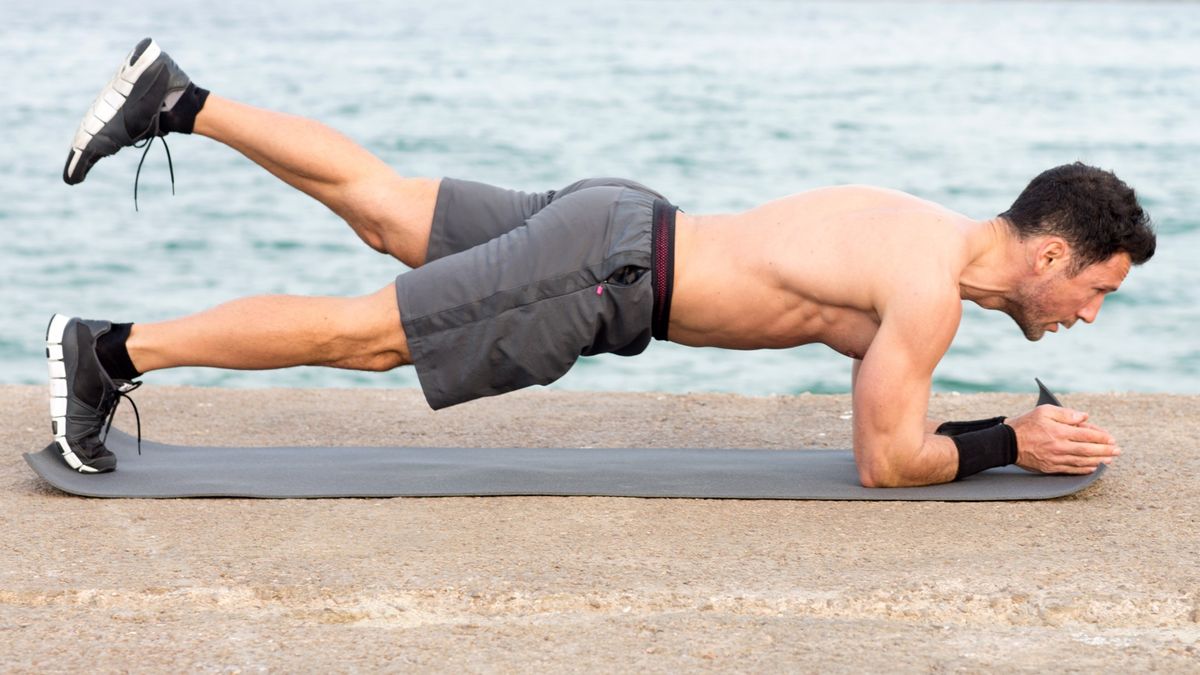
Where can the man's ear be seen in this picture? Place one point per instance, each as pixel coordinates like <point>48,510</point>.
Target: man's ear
<point>1053,253</point>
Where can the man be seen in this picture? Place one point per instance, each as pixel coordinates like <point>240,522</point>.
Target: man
<point>509,289</point>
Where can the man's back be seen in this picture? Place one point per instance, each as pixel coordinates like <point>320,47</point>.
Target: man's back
<point>815,267</point>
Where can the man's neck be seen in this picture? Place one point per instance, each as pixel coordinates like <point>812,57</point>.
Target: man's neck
<point>996,259</point>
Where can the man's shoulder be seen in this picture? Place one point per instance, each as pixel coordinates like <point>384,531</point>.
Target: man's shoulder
<point>921,263</point>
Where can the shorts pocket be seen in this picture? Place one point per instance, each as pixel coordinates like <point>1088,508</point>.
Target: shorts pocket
<point>626,276</point>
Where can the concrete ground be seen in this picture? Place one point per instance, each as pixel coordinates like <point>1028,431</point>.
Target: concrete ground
<point>1106,580</point>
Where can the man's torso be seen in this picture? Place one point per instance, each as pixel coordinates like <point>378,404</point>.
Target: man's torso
<point>815,267</point>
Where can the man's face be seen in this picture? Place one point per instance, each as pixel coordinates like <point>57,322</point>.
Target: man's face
<point>1053,298</point>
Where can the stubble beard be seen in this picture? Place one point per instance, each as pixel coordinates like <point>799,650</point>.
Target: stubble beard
<point>1029,311</point>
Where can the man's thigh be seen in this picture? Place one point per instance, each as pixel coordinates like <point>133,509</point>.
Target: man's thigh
<point>468,214</point>
<point>520,308</point>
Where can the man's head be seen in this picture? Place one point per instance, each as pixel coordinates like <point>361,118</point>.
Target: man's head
<point>1082,229</point>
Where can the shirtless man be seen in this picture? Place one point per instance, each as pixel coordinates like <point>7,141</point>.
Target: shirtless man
<point>508,289</point>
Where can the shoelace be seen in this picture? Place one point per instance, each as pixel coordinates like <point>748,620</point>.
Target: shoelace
<point>123,393</point>
<point>146,143</point>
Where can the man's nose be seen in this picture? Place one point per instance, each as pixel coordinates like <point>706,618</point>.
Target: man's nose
<point>1090,310</point>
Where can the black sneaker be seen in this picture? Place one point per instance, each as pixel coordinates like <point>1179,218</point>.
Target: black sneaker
<point>83,398</point>
<point>127,109</point>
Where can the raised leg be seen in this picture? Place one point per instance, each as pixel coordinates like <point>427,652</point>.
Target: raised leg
<point>389,212</point>
<point>278,331</point>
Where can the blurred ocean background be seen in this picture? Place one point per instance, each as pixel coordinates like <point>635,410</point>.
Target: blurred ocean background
<point>719,105</point>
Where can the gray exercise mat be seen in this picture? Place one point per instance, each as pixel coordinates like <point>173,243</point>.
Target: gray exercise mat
<point>181,471</point>
<point>163,471</point>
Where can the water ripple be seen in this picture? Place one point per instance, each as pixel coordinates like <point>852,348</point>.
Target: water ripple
<point>720,106</point>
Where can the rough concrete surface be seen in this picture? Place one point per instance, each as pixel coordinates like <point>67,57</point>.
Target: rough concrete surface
<point>1106,580</point>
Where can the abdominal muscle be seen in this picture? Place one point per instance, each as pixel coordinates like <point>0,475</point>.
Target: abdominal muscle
<point>758,317</point>
<point>799,270</point>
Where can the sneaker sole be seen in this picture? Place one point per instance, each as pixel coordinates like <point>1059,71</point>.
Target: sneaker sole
<point>110,100</point>
<point>58,392</point>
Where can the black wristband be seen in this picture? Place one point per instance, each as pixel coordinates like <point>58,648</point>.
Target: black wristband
<point>956,428</point>
<point>985,449</point>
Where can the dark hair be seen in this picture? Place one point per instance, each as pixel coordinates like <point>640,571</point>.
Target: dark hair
<point>1093,210</point>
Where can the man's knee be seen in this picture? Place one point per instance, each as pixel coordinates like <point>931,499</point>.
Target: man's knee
<point>392,214</point>
<point>368,334</point>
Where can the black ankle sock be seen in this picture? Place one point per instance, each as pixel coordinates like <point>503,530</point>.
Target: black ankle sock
<point>114,357</point>
<point>181,118</point>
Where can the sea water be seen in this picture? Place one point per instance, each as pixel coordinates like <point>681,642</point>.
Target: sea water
<point>719,105</point>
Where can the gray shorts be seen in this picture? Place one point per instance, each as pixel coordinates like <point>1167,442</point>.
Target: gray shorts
<point>517,286</point>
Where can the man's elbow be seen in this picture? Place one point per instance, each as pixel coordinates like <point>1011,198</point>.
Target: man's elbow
<point>903,471</point>
<point>879,475</point>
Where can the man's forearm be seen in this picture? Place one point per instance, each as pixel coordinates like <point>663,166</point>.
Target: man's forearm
<point>946,456</point>
<point>936,461</point>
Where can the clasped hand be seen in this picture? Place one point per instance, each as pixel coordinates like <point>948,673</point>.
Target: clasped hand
<point>1051,439</point>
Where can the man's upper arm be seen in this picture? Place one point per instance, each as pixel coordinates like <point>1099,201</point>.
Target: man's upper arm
<point>892,384</point>
<point>931,424</point>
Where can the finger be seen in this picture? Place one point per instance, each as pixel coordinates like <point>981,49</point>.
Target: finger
<point>1090,435</point>
<point>1090,450</point>
<point>1094,427</point>
<point>1080,461</point>
<point>1065,415</point>
<point>1077,470</point>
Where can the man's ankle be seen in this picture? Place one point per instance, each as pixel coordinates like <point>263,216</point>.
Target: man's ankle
<point>113,354</point>
<point>181,118</point>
